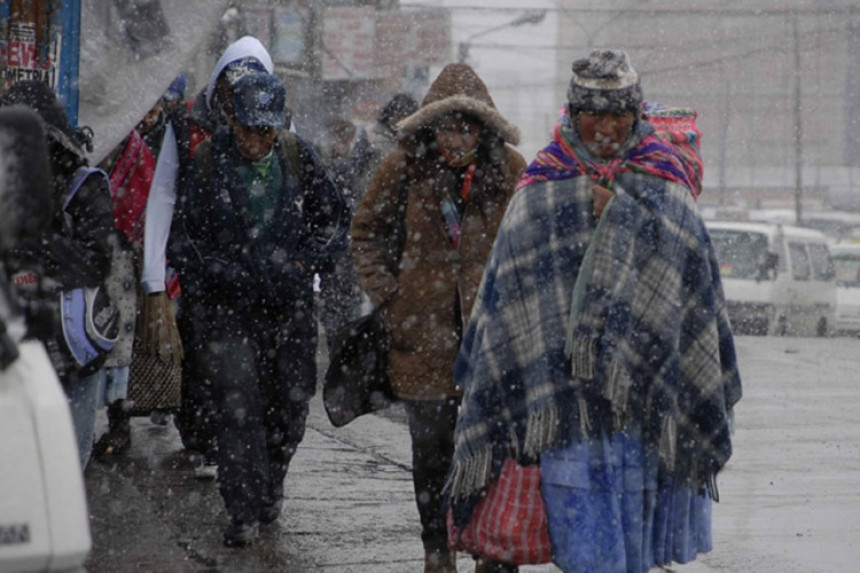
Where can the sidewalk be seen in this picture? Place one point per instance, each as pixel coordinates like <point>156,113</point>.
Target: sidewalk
<point>349,506</point>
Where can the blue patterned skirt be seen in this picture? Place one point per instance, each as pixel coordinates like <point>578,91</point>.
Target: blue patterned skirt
<point>611,510</point>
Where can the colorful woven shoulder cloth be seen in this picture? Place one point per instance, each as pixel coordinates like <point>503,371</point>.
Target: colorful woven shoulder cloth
<point>677,126</point>
<point>671,152</point>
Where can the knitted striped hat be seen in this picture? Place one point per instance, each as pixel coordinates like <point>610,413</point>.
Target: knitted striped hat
<point>604,82</point>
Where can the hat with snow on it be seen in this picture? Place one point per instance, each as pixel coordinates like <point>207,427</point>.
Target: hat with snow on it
<point>604,82</point>
<point>259,99</point>
<point>237,69</point>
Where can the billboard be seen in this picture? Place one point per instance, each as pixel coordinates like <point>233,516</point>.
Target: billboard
<point>349,40</point>
<point>363,43</point>
<point>39,42</point>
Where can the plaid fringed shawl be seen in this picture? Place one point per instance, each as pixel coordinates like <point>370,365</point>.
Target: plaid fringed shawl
<point>649,344</point>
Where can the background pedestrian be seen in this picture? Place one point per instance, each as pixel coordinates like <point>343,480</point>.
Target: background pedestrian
<point>74,252</point>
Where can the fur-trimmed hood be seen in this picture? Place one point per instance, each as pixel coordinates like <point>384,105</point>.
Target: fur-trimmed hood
<point>458,88</point>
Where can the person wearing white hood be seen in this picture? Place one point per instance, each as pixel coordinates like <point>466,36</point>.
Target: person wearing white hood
<point>187,127</point>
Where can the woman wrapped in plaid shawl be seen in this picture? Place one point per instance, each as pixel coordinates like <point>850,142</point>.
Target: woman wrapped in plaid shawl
<point>599,344</point>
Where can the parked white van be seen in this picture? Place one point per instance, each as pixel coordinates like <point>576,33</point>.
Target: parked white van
<point>778,279</point>
<point>846,259</point>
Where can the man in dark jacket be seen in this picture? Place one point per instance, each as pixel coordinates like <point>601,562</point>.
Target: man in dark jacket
<point>187,126</point>
<point>261,217</point>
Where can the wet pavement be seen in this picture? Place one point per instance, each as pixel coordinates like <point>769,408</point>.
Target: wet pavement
<point>789,501</point>
<point>349,506</point>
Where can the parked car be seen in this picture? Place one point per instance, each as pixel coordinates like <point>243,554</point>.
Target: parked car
<point>846,260</point>
<point>778,279</point>
<point>839,226</point>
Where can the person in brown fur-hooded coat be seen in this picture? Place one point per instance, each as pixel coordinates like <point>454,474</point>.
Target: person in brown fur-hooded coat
<point>444,190</point>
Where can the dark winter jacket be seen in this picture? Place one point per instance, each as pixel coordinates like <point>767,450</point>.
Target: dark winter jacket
<point>427,300</point>
<point>75,250</point>
<point>225,258</point>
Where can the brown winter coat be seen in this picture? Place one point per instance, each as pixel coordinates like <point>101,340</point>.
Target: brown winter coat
<point>420,303</point>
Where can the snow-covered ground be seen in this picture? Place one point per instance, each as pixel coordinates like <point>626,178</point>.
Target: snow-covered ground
<point>789,496</point>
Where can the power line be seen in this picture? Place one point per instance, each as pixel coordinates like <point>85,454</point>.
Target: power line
<point>811,35</point>
<point>850,9</point>
<point>687,47</point>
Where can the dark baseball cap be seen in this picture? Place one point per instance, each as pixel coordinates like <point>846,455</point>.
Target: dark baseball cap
<point>259,99</point>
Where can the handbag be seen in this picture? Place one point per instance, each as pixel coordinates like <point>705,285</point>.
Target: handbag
<point>357,382</point>
<point>509,524</point>
<point>155,377</point>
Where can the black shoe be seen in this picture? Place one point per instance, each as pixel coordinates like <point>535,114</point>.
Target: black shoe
<point>112,444</point>
<point>271,512</point>
<point>117,440</point>
<point>239,534</point>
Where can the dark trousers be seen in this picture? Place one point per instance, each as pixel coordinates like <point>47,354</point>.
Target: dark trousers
<point>431,425</point>
<point>196,419</point>
<point>262,368</point>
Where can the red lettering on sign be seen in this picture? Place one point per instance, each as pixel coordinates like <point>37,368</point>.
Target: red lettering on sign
<point>24,55</point>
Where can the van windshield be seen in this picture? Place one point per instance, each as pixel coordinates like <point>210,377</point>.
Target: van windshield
<point>741,254</point>
<point>847,269</point>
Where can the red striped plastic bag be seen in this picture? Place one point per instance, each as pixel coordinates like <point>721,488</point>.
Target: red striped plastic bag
<point>509,524</point>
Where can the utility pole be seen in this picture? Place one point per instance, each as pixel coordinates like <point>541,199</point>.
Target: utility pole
<point>724,127</point>
<point>798,126</point>
<point>529,17</point>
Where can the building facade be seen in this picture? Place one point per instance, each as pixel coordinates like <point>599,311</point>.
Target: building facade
<point>345,59</point>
